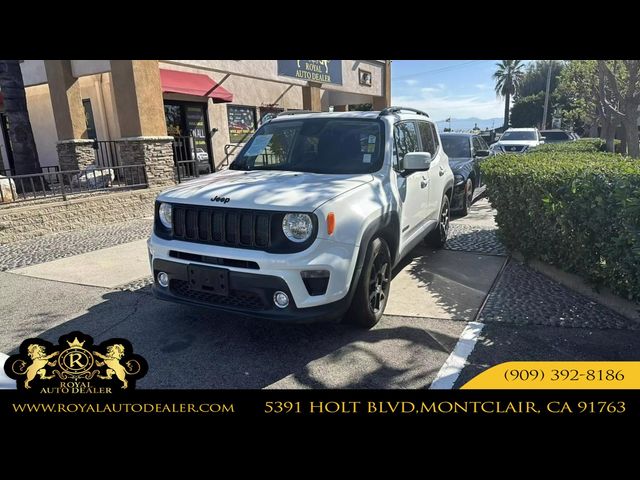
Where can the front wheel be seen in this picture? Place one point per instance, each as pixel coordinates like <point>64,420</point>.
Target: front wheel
<point>438,236</point>
<point>372,291</point>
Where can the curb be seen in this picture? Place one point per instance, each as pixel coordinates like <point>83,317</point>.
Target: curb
<point>626,308</point>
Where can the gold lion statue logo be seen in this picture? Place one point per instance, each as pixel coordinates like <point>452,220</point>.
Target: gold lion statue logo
<point>114,367</point>
<point>39,360</point>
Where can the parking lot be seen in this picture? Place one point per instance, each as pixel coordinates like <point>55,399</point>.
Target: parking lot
<point>53,285</point>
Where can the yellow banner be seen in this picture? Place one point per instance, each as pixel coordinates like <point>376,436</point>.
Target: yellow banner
<point>558,375</point>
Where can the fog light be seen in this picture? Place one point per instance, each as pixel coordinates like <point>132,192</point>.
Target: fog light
<point>163,279</point>
<point>281,299</point>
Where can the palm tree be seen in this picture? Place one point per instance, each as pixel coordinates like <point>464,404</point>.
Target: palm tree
<point>508,77</point>
<point>25,154</point>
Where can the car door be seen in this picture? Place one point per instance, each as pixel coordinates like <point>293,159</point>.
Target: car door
<point>411,187</point>
<point>434,176</point>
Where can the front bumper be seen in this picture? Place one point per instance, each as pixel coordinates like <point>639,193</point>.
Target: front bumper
<point>251,289</point>
<point>249,294</point>
<point>457,199</point>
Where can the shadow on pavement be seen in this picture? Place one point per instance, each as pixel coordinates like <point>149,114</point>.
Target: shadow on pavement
<point>192,347</point>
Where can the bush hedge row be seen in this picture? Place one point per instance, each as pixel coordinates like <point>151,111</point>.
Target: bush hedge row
<point>582,145</point>
<point>579,211</point>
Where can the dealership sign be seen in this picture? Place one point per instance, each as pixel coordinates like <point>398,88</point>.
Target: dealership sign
<point>321,71</point>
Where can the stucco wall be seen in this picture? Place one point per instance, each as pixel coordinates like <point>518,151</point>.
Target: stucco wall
<point>42,124</point>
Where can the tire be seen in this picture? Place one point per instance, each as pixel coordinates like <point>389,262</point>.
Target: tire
<point>468,198</point>
<point>438,236</point>
<point>372,291</point>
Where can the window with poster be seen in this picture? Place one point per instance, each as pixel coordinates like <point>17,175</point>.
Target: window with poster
<point>187,122</point>
<point>242,122</point>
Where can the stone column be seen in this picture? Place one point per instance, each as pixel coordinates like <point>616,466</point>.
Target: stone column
<point>155,157</point>
<point>74,149</point>
<point>138,96</point>
<point>75,154</point>
<point>311,98</point>
<point>380,103</point>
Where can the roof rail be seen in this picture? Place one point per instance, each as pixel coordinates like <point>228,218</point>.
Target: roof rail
<point>392,110</point>
<point>295,112</point>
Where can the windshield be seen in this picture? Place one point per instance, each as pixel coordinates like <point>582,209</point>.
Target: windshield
<point>525,135</point>
<point>555,136</point>
<point>456,146</point>
<point>316,145</point>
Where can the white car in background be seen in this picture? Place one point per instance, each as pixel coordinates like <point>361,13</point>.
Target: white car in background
<point>517,140</point>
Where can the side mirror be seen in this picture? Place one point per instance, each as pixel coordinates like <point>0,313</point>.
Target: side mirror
<point>416,161</point>
<point>482,153</point>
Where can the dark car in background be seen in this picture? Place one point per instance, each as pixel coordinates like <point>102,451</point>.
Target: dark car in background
<point>465,151</point>
<point>557,136</point>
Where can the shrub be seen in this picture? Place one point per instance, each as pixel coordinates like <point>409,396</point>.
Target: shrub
<point>582,145</point>
<point>579,211</point>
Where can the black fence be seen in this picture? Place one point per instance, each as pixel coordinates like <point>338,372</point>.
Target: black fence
<point>107,153</point>
<point>10,172</point>
<point>18,188</point>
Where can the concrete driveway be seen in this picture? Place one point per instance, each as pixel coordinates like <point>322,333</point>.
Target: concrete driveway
<point>433,295</point>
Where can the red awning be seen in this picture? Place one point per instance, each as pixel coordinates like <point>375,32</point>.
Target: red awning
<point>197,84</point>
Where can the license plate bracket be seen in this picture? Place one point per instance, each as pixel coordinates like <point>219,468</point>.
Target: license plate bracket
<point>209,280</point>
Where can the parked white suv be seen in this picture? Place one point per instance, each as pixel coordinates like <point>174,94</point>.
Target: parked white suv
<point>309,220</point>
<point>517,140</point>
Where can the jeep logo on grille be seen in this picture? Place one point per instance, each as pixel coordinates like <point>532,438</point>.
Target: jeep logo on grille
<point>220,199</point>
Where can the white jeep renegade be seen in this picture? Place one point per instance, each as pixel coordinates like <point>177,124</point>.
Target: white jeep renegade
<point>309,220</point>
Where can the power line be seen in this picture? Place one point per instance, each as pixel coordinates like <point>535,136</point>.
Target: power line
<point>441,69</point>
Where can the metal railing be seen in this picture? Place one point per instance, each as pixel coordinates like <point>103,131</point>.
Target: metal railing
<point>186,170</point>
<point>37,186</point>
<point>107,153</point>
<point>9,172</point>
<point>230,149</point>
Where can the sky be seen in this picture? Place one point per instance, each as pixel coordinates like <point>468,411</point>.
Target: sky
<point>446,88</point>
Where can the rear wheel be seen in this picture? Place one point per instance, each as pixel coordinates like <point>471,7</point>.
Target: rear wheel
<point>468,197</point>
<point>438,236</point>
<point>372,291</point>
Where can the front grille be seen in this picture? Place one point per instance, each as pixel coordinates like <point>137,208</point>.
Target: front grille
<point>227,262</point>
<point>238,299</point>
<point>222,226</point>
<point>513,148</point>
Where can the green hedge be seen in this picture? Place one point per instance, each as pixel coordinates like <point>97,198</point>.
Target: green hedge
<point>578,211</point>
<point>582,145</point>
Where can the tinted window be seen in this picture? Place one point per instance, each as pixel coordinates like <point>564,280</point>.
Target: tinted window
<point>427,137</point>
<point>526,135</point>
<point>477,145</point>
<point>456,146</point>
<point>555,136</point>
<point>406,139</point>
<point>434,134</point>
<point>317,145</point>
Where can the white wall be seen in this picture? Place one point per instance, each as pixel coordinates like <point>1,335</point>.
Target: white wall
<point>43,124</point>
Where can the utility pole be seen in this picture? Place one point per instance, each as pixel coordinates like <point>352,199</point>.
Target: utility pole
<point>546,96</point>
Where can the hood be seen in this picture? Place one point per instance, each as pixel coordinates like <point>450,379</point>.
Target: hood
<point>457,163</point>
<point>264,190</point>
<point>517,142</point>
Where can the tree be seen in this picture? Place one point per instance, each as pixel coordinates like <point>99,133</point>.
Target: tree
<point>508,76</point>
<point>620,96</point>
<point>25,154</point>
<point>527,111</point>
<point>535,77</point>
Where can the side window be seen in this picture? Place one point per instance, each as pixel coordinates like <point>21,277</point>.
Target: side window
<point>405,140</point>
<point>436,142</point>
<point>429,138</point>
<point>483,144</point>
<point>477,145</point>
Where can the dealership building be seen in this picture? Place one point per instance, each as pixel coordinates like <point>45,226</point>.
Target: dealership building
<point>154,112</point>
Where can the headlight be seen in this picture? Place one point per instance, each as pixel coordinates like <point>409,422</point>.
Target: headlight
<point>297,227</point>
<point>164,213</point>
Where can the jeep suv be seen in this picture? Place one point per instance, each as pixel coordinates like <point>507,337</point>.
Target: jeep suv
<point>517,140</point>
<point>309,220</point>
